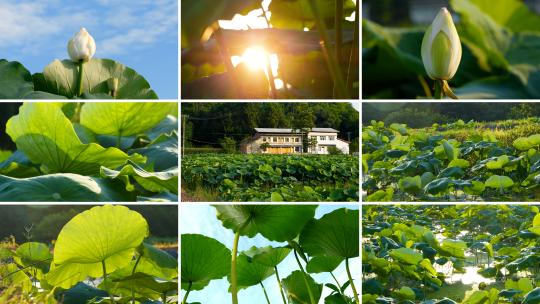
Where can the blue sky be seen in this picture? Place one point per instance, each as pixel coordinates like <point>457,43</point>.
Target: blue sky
<point>202,219</point>
<point>142,34</point>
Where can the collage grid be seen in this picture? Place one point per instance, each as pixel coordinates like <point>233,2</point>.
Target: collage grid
<point>216,162</point>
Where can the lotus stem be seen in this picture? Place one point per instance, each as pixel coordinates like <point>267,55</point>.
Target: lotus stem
<point>339,286</point>
<point>335,280</point>
<point>79,87</point>
<point>311,297</point>
<point>279,285</point>
<point>119,140</point>
<point>106,282</point>
<point>438,89</point>
<point>351,280</point>
<point>331,60</point>
<point>271,78</point>
<point>132,273</point>
<point>354,48</point>
<point>234,287</point>
<point>265,294</point>
<point>184,301</point>
<point>338,29</point>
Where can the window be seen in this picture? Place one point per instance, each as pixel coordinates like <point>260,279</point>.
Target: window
<point>297,149</point>
<point>287,139</point>
<point>322,137</point>
<point>296,139</point>
<point>264,139</point>
<point>332,138</point>
<point>274,139</point>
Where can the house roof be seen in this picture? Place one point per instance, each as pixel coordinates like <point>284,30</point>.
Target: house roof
<point>288,131</point>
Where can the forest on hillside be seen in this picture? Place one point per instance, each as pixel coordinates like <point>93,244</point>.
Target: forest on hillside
<point>214,124</point>
<point>424,114</point>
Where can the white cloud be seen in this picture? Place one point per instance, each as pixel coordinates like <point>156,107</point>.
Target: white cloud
<point>119,26</point>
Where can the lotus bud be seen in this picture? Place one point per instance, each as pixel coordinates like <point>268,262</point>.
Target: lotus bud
<point>441,47</point>
<point>82,46</point>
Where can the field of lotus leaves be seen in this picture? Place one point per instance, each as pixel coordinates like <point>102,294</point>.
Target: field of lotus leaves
<point>402,164</point>
<point>274,178</point>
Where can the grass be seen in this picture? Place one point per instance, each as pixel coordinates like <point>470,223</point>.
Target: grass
<point>505,131</point>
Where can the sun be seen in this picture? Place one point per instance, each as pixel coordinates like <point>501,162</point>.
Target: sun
<point>255,58</point>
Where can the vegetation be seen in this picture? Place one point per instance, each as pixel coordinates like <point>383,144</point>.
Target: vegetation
<point>277,178</point>
<point>464,161</point>
<point>99,256</point>
<point>91,152</point>
<point>43,223</point>
<point>450,254</point>
<point>306,49</point>
<point>207,124</point>
<point>318,245</point>
<point>425,114</point>
<point>499,58</point>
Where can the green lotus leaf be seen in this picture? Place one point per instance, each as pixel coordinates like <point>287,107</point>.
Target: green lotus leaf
<point>522,143</point>
<point>33,254</point>
<point>498,163</point>
<point>123,118</point>
<point>140,285</point>
<point>499,182</point>
<point>263,219</point>
<point>406,256</point>
<point>162,153</point>
<point>82,293</point>
<point>104,234</point>
<point>438,186</point>
<point>536,225</point>
<point>454,248</point>
<point>298,14</point>
<point>296,289</point>
<point>45,135</point>
<point>16,277</point>
<point>323,264</point>
<point>18,165</point>
<point>203,259</point>
<point>151,181</point>
<point>61,188</point>
<point>411,184</point>
<point>59,77</point>
<point>163,197</point>
<point>43,95</point>
<point>335,234</point>
<point>15,80</point>
<point>426,264</point>
<point>249,273</point>
<point>268,256</point>
<point>404,293</point>
<point>158,263</point>
<point>533,297</point>
<point>458,162</point>
<point>196,16</point>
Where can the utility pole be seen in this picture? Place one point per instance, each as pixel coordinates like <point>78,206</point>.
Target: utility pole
<point>184,134</point>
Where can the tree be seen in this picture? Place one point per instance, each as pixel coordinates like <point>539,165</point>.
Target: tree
<point>308,142</point>
<point>228,144</point>
<point>264,146</point>
<point>334,150</point>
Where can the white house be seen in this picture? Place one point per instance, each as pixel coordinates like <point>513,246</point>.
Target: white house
<point>289,141</point>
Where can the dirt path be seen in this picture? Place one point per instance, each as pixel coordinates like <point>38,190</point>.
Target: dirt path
<point>184,197</point>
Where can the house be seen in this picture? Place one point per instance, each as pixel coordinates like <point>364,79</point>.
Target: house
<point>289,141</point>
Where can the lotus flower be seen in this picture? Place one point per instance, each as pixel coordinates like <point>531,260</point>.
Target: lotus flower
<point>441,48</point>
<point>82,46</point>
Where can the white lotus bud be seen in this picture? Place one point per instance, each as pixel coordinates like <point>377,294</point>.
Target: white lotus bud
<point>441,47</point>
<point>82,46</point>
